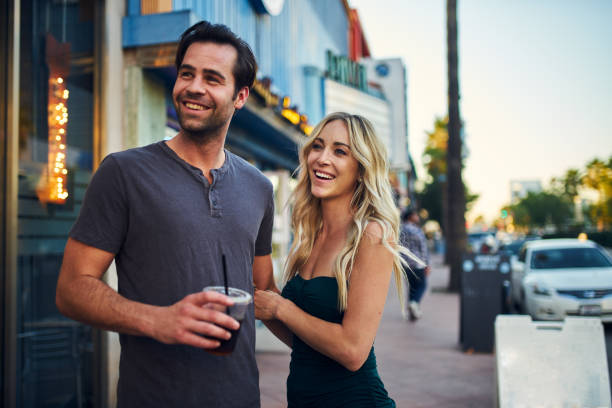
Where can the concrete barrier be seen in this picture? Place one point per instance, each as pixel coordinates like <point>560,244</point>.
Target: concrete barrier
<point>551,364</point>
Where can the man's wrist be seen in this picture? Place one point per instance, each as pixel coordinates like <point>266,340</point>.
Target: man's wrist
<point>146,322</point>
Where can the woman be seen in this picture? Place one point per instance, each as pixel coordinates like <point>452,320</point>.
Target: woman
<point>337,274</point>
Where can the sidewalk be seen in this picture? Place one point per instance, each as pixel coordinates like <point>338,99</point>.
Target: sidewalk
<point>420,363</point>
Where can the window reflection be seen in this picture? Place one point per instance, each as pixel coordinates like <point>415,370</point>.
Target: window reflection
<point>55,354</point>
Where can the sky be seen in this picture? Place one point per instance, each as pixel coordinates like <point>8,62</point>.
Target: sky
<point>535,79</point>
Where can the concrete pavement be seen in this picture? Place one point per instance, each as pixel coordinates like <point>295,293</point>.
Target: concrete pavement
<point>420,363</point>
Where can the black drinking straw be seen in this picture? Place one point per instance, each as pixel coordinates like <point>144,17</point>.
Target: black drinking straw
<point>224,273</point>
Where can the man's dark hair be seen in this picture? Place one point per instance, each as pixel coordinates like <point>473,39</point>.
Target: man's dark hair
<point>245,67</point>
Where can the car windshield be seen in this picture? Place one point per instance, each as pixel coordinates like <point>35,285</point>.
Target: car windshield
<point>557,258</point>
<point>513,247</point>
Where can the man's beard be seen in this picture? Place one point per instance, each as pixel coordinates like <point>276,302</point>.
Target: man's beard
<point>202,131</point>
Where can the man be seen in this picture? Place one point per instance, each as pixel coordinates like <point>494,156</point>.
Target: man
<point>166,213</point>
<point>413,238</point>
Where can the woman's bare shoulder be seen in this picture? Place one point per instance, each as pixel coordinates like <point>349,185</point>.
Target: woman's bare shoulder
<point>374,231</point>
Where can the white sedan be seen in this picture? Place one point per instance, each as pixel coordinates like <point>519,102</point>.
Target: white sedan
<point>554,278</point>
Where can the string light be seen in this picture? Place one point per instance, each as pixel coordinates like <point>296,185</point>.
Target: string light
<point>57,120</point>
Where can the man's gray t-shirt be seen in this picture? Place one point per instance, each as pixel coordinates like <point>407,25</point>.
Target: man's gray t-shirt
<point>168,226</point>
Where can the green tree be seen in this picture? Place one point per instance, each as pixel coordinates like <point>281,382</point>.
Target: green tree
<point>433,195</point>
<point>568,185</point>
<point>568,188</point>
<point>431,199</point>
<point>598,176</point>
<point>551,207</point>
<point>541,209</point>
<point>434,157</point>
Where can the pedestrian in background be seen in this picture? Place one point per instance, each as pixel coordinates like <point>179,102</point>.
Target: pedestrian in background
<point>166,213</point>
<point>413,238</point>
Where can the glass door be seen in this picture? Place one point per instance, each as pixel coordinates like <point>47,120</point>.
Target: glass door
<point>5,28</point>
<point>55,355</point>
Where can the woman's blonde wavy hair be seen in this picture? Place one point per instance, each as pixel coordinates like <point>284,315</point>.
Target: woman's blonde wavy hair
<point>372,201</point>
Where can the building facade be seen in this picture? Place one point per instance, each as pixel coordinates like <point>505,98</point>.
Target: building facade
<point>83,78</point>
<point>391,77</point>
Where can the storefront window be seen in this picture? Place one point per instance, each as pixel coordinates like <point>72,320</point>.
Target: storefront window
<point>55,354</point>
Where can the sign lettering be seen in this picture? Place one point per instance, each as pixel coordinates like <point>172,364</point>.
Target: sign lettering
<point>346,71</point>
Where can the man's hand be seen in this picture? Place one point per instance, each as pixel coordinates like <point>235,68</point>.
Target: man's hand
<point>427,270</point>
<point>83,296</point>
<point>195,316</point>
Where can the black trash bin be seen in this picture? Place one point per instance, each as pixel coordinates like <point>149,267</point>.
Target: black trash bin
<point>485,293</point>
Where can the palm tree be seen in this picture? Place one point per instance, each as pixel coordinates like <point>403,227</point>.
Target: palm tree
<point>598,176</point>
<point>455,208</point>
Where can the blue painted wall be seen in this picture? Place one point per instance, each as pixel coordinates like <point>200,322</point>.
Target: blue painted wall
<point>284,45</point>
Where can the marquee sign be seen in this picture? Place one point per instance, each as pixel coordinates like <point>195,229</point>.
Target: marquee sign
<point>346,71</point>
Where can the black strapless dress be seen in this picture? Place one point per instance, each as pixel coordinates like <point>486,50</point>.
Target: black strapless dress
<point>316,380</point>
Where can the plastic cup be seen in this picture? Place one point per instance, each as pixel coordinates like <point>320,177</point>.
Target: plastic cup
<point>238,311</point>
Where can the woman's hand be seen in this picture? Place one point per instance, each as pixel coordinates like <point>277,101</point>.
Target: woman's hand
<point>266,304</point>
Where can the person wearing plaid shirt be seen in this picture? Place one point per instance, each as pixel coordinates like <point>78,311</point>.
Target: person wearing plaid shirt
<point>413,238</point>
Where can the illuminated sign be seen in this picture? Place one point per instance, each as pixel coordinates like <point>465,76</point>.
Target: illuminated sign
<point>261,89</point>
<point>346,71</point>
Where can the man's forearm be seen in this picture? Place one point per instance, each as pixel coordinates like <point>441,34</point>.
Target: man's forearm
<point>91,301</point>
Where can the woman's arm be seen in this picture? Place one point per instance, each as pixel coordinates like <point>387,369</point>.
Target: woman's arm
<point>348,343</point>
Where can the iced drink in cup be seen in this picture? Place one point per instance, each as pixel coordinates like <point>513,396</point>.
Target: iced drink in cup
<point>238,311</point>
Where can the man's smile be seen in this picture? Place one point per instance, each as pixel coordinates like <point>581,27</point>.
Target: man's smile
<point>196,106</point>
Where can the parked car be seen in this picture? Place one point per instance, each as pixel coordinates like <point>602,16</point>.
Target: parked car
<point>554,278</point>
<point>482,242</point>
<point>512,248</point>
